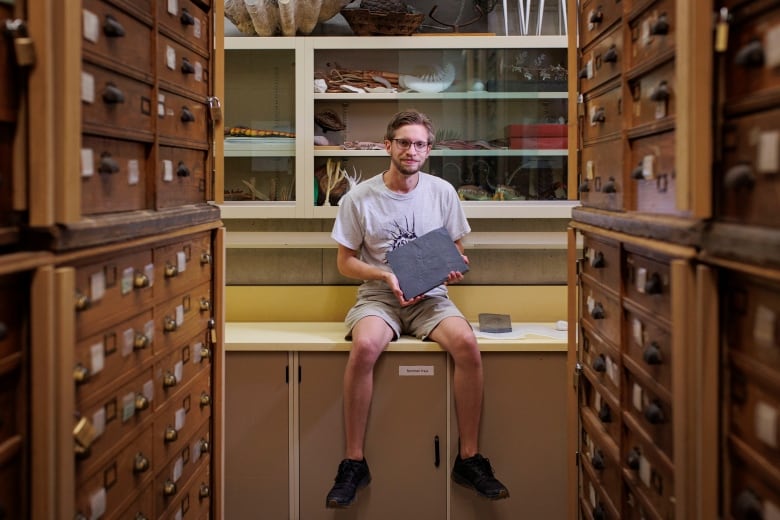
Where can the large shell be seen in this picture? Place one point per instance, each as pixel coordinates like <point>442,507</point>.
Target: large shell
<point>440,79</point>
<point>280,17</point>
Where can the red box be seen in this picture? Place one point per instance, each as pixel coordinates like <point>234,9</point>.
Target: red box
<point>537,130</point>
<point>538,143</point>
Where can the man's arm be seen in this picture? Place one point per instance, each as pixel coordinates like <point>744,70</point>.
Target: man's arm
<point>351,266</point>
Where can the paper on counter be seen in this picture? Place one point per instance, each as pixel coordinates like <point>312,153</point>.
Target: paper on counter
<point>523,331</point>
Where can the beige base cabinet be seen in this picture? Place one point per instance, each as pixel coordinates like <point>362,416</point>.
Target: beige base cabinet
<point>522,435</point>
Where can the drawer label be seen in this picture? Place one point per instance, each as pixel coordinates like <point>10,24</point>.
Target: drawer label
<point>173,7</point>
<point>91,24</point>
<point>415,370</point>
<point>764,326</point>
<point>766,424</point>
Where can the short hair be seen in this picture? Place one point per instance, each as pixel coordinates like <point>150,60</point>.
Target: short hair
<point>410,117</point>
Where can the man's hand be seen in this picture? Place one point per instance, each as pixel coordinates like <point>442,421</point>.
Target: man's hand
<point>392,281</point>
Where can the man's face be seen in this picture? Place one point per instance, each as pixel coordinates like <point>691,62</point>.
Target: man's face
<point>409,149</point>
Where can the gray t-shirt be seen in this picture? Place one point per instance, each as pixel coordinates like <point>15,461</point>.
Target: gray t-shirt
<point>374,220</point>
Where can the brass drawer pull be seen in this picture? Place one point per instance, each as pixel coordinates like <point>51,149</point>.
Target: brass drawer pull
<point>82,301</point>
<point>140,280</point>
<point>169,324</point>
<point>141,402</point>
<point>169,488</point>
<point>140,342</point>
<point>80,374</point>
<point>205,399</point>
<point>204,491</point>
<point>205,258</point>
<point>171,270</point>
<point>140,463</point>
<point>170,434</point>
<point>205,305</point>
<point>169,380</point>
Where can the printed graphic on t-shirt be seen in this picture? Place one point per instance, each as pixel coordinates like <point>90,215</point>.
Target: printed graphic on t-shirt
<point>400,234</point>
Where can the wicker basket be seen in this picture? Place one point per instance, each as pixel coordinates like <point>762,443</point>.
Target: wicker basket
<point>369,23</point>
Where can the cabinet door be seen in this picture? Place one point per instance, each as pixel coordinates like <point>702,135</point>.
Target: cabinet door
<point>408,415</point>
<point>257,418</point>
<point>523,433</point>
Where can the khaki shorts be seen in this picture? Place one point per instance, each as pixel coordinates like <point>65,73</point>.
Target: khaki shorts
<point>375,299</point>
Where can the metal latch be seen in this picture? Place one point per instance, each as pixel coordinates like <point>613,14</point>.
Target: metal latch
<point>24,48</point>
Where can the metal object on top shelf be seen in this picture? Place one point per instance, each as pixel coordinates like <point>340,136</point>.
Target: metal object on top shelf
<point>284,17</point>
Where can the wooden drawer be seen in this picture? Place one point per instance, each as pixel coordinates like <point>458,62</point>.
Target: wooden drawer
<point>194,502</point>
<point>634,505</point>
<point>601,360</point>
<point>182,318</point>
<point>182,265</point>
<point>754,407</point>
<point>647,283</point>
<point>601,174</point>
<point>115,104</point>
<point>597,16</point>
<point>603,113</point>
<point>112,486</point>
<point>595,503</point>
<point>653,96</point>
<point>602,62</point>
<point>176,423</point>
<point>115,39</point>
<point>181,68</point>
<point>178,471</point>
<point>652,33</point>
<point>650,474</point>
<point>13,481</point>
<point>140,508</point>
<point>752,484</point>
<point>116,417</point>
<point>112,355</point>
<point>181,177</point>
<point>177,368</point>
<point>185,22</point>
<point>601,260</point>
<point>648,346</point>
<point>651,171</point>
<point>8,187</point>
<point>113,175</point>
<point>601,408</point>
<point>648,412</point>
<point>601,310</point>
<point>111,290</point>
<point>603,458</point>
<point>14,310</point>
<point>13,406</point>
<point>751,307</point>
<point>753,33</point>
<point>9,91</point>
<point>182,120</point>
<point>749,187</point>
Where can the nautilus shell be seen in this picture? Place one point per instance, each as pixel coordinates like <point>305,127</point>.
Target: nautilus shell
<point>280,17</point>
<point>439,79</point>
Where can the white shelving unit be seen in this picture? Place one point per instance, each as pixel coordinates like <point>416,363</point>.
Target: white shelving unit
<point>269,83</point>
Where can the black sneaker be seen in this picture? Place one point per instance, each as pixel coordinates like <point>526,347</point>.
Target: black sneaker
<point>352,475</point>
<point>476,473</point>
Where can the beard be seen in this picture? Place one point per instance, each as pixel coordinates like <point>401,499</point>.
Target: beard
<point>405,169</point>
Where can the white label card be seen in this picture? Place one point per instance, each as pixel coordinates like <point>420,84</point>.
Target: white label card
<point>641,279</point>
<point>645,470</point>
<point>149,330</point>
<point>128,406</point>
<point>766,423</point>
<point>97,286</point>
<point>167,170</point>
<point>771,511</point>
<point>87,87</point>
<point>764,326</point>
<point>87,162</point>
<point>91,24</point>
<point>170,57</point>
<point>768,160</point>
<point>99,421</point>
<point>148,390</point>
<point>772,47</point>
<point>128,274</point>
<point>636,397</point>
<point>637,330</point>
<point>133,172</point>
<point>129,342</point>
<point>197,29</point>
<point>179,315</point>
<point>198,71</point>
<point>173,7</point>
<point>178,467</point>
<point>97,504</point>
<point>178,422</point>
<point>589,170</point>
<point>181,261</point>
<point>196,352</point>
<point>178,371</point>
<point>149,272</point>
<point>96,357</point>
<point>195,451</point>
<point>648,166</point>
<point>415,370</point>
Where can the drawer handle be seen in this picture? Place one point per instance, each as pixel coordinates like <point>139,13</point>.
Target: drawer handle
<point>661,92</point>
<point>186,115</point>
<point>140,280</point>
<point>84,434</point>
<point>108,164</point>
<point>750,56</point>
<point>610,186</point>
<point>654,414</point>
<point>182,170</point>
<point>186,66</point>
<point>82,301</point>
<point>204,491</point>
<point>605,414</point>
<point>596,16</point>
<point>598,460</point>
<point>611,56</point>
<point>169,380</point>
<point>3,330</point>
<point>739,176</point>
<point>113,95</point>
<point>748,505</point>
<point>638,173</point>
<point>205,258</point>
<point>140,463</point>
<point>599,363</point>
<point>660,26</point>
<point>654,285</point>
<point>170,434</point>
<point>141,402</point>
<point>205,353</point>
<point>169,324</point>
<point>632,460</point>
<point>205,399</point>
<point>597,260</point>
<point>186,18</point>
<point>140,342</point>
<point>169,488</point>
<point>652,354</point>
<point>80,374</point>
<point>205,305</point>
<point>599,115</point>
<point>112,28</point>
<point>205,446</point>
<point>171,270</point>
<point>584,187</point>
<point>599,513</point>
<point>583,74</point>
<point>597,313</point>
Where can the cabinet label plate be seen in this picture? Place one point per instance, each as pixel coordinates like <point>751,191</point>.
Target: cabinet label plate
<point>415,370</point>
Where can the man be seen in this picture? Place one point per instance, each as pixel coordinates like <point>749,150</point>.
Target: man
<point>375,217</point>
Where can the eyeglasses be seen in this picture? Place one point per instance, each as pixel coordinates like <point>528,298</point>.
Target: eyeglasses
<point>404,144</point>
